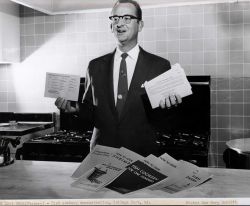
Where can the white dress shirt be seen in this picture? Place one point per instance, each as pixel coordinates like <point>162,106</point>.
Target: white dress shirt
<point>130,62</point>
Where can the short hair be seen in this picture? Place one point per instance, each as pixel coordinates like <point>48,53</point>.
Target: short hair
<point>136,4</point>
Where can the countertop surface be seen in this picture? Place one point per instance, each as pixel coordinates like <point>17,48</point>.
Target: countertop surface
<point>23,128</point>
<point>52,180</point>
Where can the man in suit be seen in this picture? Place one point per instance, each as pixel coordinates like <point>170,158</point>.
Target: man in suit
<point>119,117</point>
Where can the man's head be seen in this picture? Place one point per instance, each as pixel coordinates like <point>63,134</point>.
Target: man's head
<point>136,5</point>
<point>126,22</point>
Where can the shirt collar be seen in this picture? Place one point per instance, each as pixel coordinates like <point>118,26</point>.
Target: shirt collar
<point>133,53</point>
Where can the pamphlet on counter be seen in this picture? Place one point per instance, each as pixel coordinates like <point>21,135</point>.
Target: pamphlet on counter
<point>106,170</point>
<point>100,154</point>
<point>124,171</point>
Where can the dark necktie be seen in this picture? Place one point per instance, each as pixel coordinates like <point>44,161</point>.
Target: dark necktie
<point>122,85</point>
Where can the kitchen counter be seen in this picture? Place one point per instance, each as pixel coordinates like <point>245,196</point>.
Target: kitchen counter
<point>52,180</point>
<point>23,128</point>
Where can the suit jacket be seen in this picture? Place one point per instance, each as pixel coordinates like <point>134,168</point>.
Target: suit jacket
<point>132,130</point>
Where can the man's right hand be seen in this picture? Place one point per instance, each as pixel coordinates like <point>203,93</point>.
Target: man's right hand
<point>65,105</point>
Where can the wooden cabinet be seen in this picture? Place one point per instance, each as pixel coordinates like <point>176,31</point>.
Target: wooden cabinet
<point>9,32</point>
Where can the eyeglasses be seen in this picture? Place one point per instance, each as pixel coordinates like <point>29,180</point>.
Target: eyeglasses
<point>126,18</point>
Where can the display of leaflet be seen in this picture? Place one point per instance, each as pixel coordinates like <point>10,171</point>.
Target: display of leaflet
<point>124,171</point>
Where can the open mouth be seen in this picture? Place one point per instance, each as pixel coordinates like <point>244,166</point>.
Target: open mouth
<point>121,31</point>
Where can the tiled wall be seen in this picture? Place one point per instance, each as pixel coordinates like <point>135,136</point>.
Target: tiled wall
<point>211,39</point>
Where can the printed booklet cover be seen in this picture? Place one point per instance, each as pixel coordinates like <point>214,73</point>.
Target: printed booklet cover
<point>101,174</point>
<point>138,175</point>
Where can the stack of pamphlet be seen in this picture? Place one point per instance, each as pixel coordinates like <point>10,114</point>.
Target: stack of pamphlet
<point>125,171</point>
<point>173,81</point>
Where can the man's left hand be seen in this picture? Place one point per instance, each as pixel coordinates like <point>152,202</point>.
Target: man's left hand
<point>170,101</point>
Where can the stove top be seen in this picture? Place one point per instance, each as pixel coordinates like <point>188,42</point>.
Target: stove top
<point>67,145</point>
<point>191,147</point>
<point>63,137</point>
<point>63,145</point>
<point>198,141</point>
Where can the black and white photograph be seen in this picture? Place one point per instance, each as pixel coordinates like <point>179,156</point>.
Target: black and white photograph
<point>124,102</point>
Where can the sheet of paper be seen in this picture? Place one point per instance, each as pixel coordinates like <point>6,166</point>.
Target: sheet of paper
<point>96,177</point>
<point>62,85</point>
<point>172,162</point>
<point>99,176</point>
<point>100,154</point>
<point>170,82</point>
<point>159,165</point>
<point>189,175</point>
<point>164,164</point>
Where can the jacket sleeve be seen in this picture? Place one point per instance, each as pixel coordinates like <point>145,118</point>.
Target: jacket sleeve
<point>158,117</point>
<point>86,107</point>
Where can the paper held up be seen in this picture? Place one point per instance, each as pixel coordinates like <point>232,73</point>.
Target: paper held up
<point>62,85</point>
<point>173,81</point>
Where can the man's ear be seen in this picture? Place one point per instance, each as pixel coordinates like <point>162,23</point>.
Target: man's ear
<point>111,27</point>
<point>141,25</point>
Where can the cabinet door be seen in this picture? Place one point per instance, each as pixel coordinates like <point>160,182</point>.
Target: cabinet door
<point>9,32</point>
